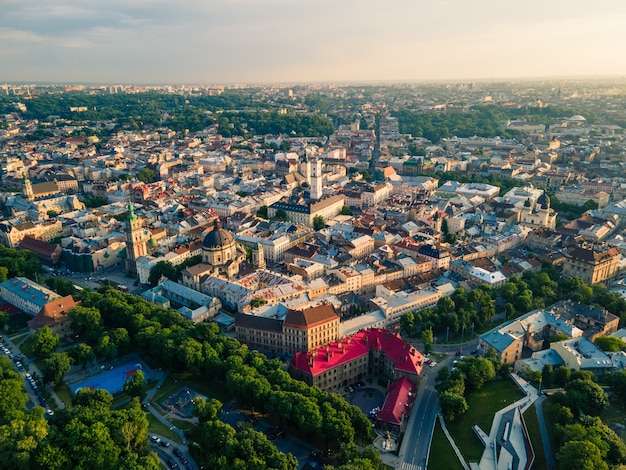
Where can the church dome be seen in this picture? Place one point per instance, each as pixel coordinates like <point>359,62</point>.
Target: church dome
<point>544,201</point>
<point>218,238</point>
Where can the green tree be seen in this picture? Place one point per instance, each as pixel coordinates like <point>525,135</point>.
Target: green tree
<point>427,339</point>
<point>262,212</point>
<point>582,455</point>
<point>162,269</point>
<point>55,367</point>
<point>346,210</point>
<point>257,302</point>
<point>450,238</point>
<point>44,341</point>
<point>281,215</point>
<point>86,322</point>
<point>61,286</point>
<point>145,175</point>
<point>319,222</point>
<point>610,343</point>
<point>477,370</point>
<point>452,405</point>
<point>407,323</point>
<point>4,273</point>
<point>136,386</point>
<point>52,214</point>
<point>82,354</point>
<point>586,396</point>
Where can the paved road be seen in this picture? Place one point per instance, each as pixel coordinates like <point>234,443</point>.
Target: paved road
<point>415,446</point>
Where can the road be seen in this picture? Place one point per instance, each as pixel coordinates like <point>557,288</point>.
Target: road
<point>416,443</point>
<point>415,447</point>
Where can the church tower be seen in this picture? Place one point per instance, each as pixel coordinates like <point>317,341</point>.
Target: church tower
<point>316,180</point>
<point>136,238</point>
<point>28,189</point>
<point>258,258</point>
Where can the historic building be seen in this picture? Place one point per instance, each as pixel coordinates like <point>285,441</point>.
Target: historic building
<point>220,250</point>
<point>295,331</point>
<point>591,265</point>
<point>375,353</point>
<point>136,238</point>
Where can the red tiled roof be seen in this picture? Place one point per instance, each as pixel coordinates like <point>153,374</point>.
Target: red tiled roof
<point>398,402</point>
<point>404,356</point>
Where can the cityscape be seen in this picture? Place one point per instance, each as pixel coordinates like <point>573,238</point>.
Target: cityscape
<point>311,235</point>
<point>312,276</point>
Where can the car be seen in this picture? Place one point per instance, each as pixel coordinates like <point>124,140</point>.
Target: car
<point>432,364</point>
<point>183,460</point>
<point>177,452</point>
<point>49,412</point>
<point>458,353</point>
<point>475,351</point>
<point>163,443</point>
<point>155,439</point>
<point>172,464</point>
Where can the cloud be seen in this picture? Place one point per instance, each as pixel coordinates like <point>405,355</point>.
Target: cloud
<point>301,40</point>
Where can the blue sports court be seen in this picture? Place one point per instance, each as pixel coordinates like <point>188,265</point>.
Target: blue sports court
<point>112,380</point>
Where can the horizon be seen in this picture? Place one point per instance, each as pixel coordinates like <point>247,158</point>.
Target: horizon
<point>291,41</point>
<point>494,80</point>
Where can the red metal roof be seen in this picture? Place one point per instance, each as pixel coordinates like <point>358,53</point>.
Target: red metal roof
<point>398,402</point>
<point>405,357</point>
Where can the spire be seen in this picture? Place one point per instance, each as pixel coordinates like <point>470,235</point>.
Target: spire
<point>217,224</point>
<point>131,212</point>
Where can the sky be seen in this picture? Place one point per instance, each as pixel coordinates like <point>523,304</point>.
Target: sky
<point>291,41</point>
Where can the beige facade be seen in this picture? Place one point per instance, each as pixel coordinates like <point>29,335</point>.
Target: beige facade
<point>590,265</point>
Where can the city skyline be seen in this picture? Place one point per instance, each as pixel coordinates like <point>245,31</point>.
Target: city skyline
<point>282,41</point>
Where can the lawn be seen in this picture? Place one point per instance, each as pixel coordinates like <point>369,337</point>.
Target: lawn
<point>27,347</point>
<point>441,453</point>
<point>482,407</point>
<point>550,407</point>
<point>157,427</point>
<point>615,414</point>
<point>64,393</point>
<point>532,425</point>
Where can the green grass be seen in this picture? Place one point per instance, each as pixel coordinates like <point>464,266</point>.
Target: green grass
<point>615,414</point>
<point>483,405</point>
<point>157,427</point>
<point>532,425</point>
<point>64,393</point>
<point>27,347</point>
<point>441,453</point>
<point>182,424</point>
<point>550,407</point>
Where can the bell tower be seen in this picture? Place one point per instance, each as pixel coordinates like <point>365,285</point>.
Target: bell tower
<point>136,238</point>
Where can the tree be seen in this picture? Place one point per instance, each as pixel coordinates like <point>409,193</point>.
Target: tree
<point>477,370</point>
<point>162,269</point>
<point>450,238</point>
<point>559,337</point>
<point>427,339</point>
<point>610,343</point>
<point>346,210</point>
<point>44,341</point>
<point>452,405</point>
<point>586,396</point>
<point>257,302</point>
<point>145,175</point>
<point>582,455</point>
<point>407,323</point>
<point>319,222</point>
<point>4,273</point>
<point>262,212</point>
<point>82,354</point>
<point>86,322</point>
<point>61,286</point>
<point>281,215</point>
<point>52,214</point>
<point>136,386</point>
<point>55,367</point>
